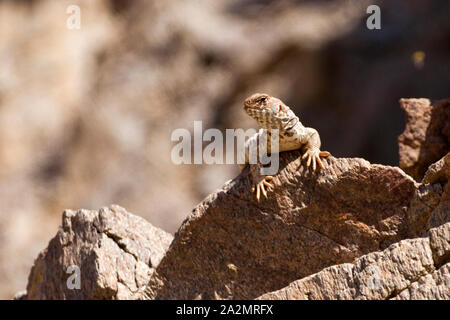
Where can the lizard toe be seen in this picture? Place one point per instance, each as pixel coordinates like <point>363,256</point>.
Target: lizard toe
<point>263,187</point>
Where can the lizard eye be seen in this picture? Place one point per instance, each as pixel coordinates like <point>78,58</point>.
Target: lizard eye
<point>262,99</point>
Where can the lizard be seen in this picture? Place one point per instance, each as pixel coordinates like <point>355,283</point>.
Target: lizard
<point>271,113</point>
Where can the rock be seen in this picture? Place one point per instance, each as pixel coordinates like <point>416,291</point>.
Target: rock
<point>317,236</point>
<point>232,247</point>
<point>405,270</point>
<point>426,138</point>
<point>439,171</point>
<point>333,234</point>
<point>115,251</point>
<point>440,244</point>
<point>433,286</point>
<point>431,201</point>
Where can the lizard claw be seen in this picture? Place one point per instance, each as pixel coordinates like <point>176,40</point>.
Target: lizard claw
<point>261,187</point>
<point>313,156</point>
<point>324,154</point>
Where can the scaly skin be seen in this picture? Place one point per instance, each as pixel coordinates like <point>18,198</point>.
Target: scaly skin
<point>271,113</point>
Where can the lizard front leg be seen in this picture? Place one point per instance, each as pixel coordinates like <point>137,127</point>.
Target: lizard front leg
<point>251,148</point>
<point>311,149</point>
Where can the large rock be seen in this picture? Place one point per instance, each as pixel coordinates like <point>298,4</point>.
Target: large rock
<point>410,269</point>
<point>232,247</point>
<point>319,235</point>
<point>115,251</point>
<point>426,138</point>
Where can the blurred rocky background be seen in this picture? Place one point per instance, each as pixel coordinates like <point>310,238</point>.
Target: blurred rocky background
<point>86,115</point>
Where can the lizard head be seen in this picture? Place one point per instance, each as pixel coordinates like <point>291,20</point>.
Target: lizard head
<point>270,112</point>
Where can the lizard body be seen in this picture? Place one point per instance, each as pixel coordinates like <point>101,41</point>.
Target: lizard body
<point>271,113</point>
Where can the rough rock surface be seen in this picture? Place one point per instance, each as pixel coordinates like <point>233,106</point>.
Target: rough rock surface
<point>430,287</point>
<point>431,201</point>
<point>334,234</point>
<point>439,171</point>
<point>426,138</point>
<point>233,247</point>
<point>409,269</point>
<point>116,253</point>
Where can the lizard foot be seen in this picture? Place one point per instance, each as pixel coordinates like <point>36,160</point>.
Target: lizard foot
<point>313,157</point>
<point>262,185</point>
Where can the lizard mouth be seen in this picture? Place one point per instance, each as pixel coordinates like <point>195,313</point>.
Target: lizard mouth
<point>272,120</point>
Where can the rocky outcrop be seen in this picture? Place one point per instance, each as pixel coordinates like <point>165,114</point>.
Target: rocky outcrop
<point>334,234</point>
<point>410,269</point>
<point>112,253</point>
<point>426,138</point>
<point>349,219</point>
<point>232,247</point>
<point>353,230</point>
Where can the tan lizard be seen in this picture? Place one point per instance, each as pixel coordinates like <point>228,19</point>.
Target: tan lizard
<point>271,113</point>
